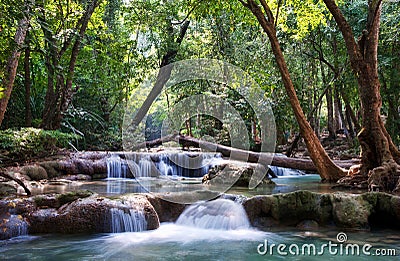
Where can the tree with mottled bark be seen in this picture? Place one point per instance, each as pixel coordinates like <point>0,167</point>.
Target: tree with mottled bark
<point>380,157</point>
<point>327,169</point>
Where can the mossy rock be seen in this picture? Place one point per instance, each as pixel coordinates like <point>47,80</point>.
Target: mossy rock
<point>99,176</point>
<point>46,201</point>
<point>51,168</point>
<point>7,189</point>
<point>72,196</point>
<point>351,211</point>
<point>35,172</point>
<point>293,207</point>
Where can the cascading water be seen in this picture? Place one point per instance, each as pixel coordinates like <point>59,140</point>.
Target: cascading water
<point>186,164</point>
<point>221,214</point>
<point>14,226</point>
<point>280,171</point>
<point>115,167</point>
<point>127,221</point>
<point>145,165</point>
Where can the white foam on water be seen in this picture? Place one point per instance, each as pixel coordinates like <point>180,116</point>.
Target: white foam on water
<point>220,214</point>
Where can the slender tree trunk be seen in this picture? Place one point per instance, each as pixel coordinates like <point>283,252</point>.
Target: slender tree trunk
<point>336,105</point>
<point>329,104</point>
<point>351,112</point>
<point>12,64</point>
<point>28,83</point>
<point>59,98</point>
<point>327,169</point>
<point>378,151</point>
<point>162,77</point>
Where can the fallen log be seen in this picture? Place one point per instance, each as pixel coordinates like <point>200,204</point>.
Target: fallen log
<point>256,157</point>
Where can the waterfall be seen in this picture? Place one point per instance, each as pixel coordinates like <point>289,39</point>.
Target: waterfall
<point>115,168</point>
<point>127,221</point>
<point>145,165</point>
<point>219,214</point>
<point>15,226</point>
<point>186,164</point>
<point>165,169</point>
<point>168,164</point>
<point>280,171</point>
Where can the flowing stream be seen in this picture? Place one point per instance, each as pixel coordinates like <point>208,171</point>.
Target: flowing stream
<point>215,230</point>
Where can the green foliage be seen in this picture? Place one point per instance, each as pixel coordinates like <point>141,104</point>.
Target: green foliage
<point>30,142</point>
<point>126,40</point>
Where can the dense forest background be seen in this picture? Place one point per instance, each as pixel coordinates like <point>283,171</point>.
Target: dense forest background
<point>78,61</point>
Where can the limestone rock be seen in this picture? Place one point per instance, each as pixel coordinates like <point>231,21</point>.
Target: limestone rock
<point>344,210</point>
<point>167,211</point>
<point>350,211</point>
<point>236,173</point>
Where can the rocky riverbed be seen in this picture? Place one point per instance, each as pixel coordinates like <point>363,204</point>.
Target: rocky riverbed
<point>87,212</point>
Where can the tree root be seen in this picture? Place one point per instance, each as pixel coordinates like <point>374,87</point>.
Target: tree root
<point>354,179</point>
<point>383,178</point>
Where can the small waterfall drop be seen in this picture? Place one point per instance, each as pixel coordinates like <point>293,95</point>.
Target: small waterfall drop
<point>193,165</point>
<point>145,165</point>
<point>285,172</point>
<point>221,214</point>
<point>15,226</point>
<point>115,168</point>
<point>127,221</point>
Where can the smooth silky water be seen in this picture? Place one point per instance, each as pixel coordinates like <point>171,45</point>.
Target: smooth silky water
<point>218,231</point>
<point>177,242</point>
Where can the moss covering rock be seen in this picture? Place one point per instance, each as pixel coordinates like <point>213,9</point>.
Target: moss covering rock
<point>349,211</point>
<point>34,172</point>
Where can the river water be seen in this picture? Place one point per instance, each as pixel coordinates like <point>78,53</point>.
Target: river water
<point>176,242</point>
<point>185,242</point>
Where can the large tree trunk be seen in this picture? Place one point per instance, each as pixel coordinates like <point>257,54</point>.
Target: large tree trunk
<point>327,169</point>
<point>12,63</point>
<point>59,98</point>
<point>378,164</point>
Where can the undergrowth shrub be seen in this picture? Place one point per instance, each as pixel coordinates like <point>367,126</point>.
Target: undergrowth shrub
<point>30,142</point>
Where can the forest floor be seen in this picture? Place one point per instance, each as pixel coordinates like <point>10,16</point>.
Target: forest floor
<point>340,148</point>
